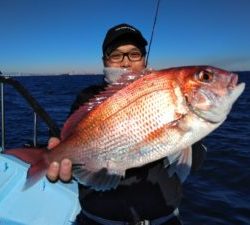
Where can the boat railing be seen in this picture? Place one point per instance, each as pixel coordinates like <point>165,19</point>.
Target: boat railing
<point>37,109</point>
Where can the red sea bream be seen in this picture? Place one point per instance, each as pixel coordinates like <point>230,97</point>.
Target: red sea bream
<point>139,119</point>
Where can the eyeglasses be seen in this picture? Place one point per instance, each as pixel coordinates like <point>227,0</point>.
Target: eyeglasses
<point>117,57</point>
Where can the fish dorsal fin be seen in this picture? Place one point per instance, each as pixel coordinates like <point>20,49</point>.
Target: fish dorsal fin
<point>124,80</point>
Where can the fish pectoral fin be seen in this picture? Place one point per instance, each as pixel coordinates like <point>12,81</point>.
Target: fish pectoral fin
<point>182,165</point>
<point>100,180</point>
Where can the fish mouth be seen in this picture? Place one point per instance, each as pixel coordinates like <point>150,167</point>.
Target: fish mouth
<point>233,81</point>
<point>236,91</point>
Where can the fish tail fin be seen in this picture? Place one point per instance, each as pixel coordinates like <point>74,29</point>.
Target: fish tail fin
<point>38,160</point>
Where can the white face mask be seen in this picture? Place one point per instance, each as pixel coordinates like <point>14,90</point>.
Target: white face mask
<point>112,74</point>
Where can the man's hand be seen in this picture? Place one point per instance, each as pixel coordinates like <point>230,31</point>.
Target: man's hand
<point>62,171</point>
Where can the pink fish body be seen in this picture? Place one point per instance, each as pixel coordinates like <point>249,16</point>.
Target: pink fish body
<point>143,118</point>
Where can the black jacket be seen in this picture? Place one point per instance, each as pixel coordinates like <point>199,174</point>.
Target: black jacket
<point>147,192</point>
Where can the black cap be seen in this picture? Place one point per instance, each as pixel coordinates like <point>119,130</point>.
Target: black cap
<point>123,34</point>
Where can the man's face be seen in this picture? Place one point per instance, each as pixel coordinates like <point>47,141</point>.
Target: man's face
<point>127,57</point>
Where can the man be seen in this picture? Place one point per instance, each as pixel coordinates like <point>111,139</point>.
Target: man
<point>147,194</point>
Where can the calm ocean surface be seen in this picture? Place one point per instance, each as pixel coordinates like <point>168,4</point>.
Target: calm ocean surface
<point>217,194</point>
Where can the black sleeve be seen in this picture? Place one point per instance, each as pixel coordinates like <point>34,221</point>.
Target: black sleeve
<point>199,152</point>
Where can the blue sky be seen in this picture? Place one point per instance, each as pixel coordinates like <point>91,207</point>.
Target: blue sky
<point>60,36</point>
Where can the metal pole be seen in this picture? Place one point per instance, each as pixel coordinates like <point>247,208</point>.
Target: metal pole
<point>2,118</point>
<point>35,130</point>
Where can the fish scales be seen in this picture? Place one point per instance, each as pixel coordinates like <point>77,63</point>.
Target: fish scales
<point>138,115</point>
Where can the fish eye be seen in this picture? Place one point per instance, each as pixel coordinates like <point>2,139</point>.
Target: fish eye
<point>205,76</point>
